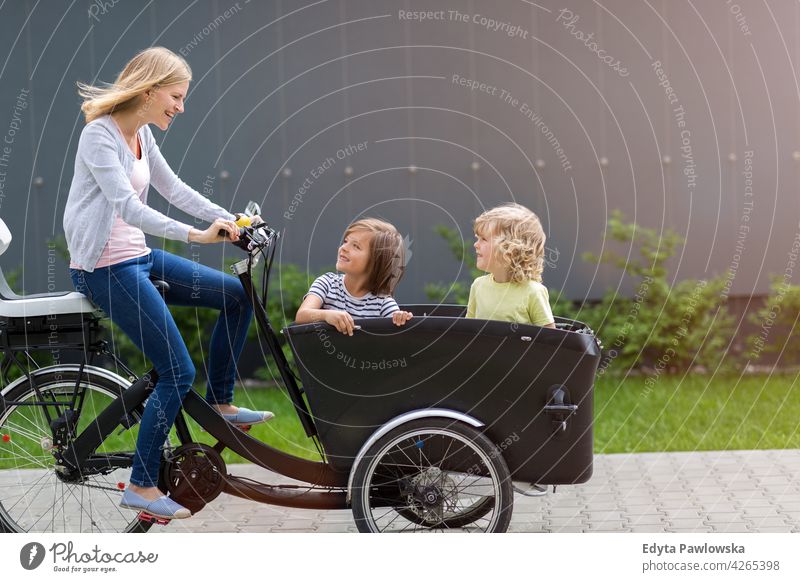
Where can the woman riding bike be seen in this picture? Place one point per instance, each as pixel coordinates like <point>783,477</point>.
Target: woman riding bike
<point>105,219</point>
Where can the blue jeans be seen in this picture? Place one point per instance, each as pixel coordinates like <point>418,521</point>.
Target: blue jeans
<point>127,296</point>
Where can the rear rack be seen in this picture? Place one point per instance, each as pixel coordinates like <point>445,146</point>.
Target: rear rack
<point>47,332</point>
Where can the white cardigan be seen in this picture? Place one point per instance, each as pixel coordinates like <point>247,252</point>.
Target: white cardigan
<point>101,186</point>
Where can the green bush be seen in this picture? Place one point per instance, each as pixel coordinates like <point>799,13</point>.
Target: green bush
<point>287,289</point>
<point>777,323</point>
<point>663,327</point>
<point>456,292</point>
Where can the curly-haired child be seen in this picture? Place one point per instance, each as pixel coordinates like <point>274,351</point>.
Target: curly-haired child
<point>510,248</point>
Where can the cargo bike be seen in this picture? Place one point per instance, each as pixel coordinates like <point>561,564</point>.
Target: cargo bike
<point>433,426</point>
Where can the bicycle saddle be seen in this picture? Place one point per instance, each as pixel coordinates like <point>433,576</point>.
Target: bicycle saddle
<point>47,304</point>
<point>37,304</point>
<point>41,304</point>
<point>161,286</point>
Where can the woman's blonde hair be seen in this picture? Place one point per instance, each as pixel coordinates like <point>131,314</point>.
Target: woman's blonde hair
<point>152,68</point>
<point>518,240</point>
<point>386,263</point>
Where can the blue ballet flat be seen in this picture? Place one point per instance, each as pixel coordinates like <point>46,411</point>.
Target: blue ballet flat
<point>246,417</point>
<point>163,507</point>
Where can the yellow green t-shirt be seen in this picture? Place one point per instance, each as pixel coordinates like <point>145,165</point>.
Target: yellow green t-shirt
<point>526,302</point>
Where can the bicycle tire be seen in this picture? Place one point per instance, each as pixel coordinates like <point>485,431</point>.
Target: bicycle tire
<point>32,496</point>
<point>435,464</point>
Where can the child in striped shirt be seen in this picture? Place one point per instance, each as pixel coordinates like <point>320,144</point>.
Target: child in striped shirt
<point>371,264</point>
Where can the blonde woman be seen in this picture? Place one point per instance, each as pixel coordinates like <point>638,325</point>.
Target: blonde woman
<point>509,244</point>
<point>105,220</point>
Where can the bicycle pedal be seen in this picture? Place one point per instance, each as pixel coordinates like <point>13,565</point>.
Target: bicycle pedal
<point>147,518</point>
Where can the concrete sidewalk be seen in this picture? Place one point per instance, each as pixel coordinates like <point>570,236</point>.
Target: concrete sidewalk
<point>732,491</point>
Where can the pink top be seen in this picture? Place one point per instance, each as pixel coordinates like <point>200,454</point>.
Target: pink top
<point>125,241</point>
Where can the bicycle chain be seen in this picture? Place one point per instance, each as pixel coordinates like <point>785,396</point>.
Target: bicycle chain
<point>105,488</point>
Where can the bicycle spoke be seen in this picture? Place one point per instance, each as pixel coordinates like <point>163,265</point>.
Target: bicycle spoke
<point>392,521</point>
<point>438,491</point>
<point>34,437</point>
<point>413,464</point>
<point>71,490</point>
<point>114,503</point>
<point>410,523</point>
<point>52,507</point>
<point>32,497</point>
<point>29,489</point>
<point>26,455</point>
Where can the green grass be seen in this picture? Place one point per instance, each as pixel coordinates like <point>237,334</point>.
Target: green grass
<point>673,414</point>
<point>283,432</point>
<point>27,427</point>
<point>697,413</point>
<point>676,414</point>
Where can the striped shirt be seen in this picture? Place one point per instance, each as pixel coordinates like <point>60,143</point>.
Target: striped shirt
<point>330,288</point>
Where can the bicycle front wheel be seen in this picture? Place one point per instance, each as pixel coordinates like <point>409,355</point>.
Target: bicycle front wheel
<point>432,474</point>
<point>34,497</point>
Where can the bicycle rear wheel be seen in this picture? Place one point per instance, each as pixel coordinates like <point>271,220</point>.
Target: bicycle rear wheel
<point>36,498</point>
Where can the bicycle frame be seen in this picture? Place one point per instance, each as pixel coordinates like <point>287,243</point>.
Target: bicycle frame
<point>80,455</point>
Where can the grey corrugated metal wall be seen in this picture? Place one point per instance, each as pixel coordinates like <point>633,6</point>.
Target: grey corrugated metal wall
<point>281,87</point>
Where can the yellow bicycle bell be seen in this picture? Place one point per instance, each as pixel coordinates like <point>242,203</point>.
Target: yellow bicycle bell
<point>243,220</point>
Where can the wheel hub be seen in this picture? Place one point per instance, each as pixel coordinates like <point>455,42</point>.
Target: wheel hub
<point>432,494</point>
<point>67,475</point>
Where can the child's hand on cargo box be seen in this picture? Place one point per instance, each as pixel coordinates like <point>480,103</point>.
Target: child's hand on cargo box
<point>401,317</point>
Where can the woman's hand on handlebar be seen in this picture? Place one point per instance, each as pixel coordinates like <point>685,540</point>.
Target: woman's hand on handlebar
<point>220,230</point>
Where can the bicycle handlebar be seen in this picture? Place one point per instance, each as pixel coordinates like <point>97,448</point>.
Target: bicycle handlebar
<point>242,221</point>
<point>255,237</point>
<point>249,236</point>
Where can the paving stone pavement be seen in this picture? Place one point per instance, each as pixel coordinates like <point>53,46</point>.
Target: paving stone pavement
<point>726,492</point>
